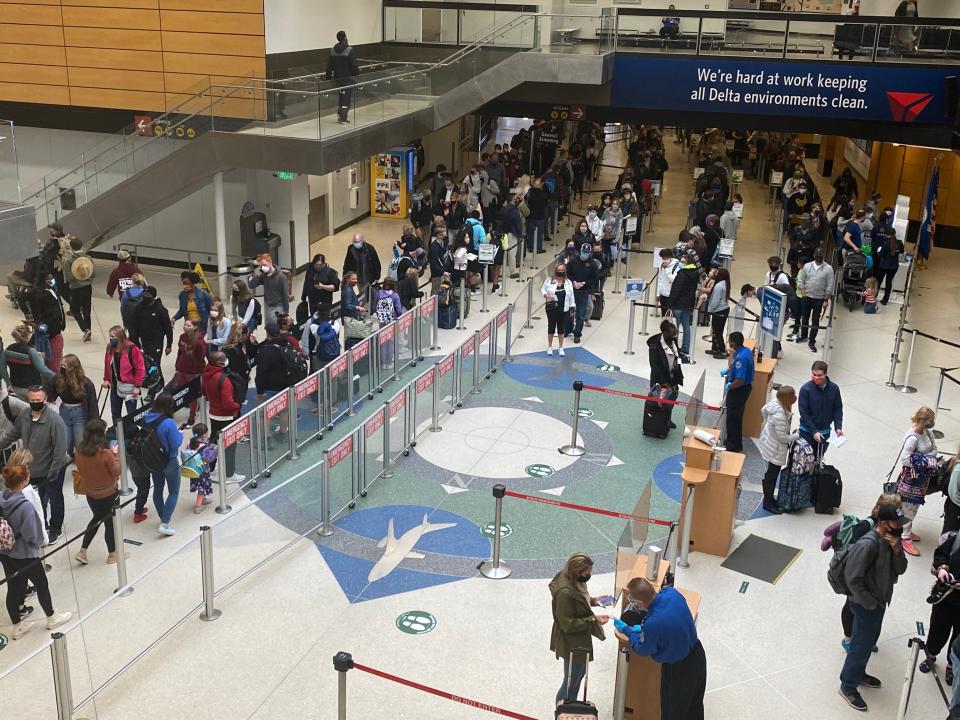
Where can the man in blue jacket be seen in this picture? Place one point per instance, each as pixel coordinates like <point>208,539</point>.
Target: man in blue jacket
<point>820,406</point>
<point>668,635</point>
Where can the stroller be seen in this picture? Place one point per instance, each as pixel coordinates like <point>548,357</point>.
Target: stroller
<point>854,278</point>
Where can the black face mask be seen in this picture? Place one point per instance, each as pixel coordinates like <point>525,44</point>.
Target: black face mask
<point>37,406</point>
<point>585,578</point>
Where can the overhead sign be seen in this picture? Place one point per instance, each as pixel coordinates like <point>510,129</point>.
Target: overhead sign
<point>560,112</point>
<point>143,124</point>
<point>578,112</point>
<point>880,93</point>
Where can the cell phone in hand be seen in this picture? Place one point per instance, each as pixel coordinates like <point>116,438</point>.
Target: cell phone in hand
<point>606,600</point>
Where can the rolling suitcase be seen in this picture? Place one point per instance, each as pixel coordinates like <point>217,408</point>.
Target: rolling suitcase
<point>447,316</point>
<point>827,488</point>
<point>597,306</point>
<point>571,708</point>
<point>656,419</point>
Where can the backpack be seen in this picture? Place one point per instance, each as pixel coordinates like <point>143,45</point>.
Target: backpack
<point>153,380</point>
<point>445,294</point>
<point>385,310</point>
<point>842,532</point>
<point>394,269</point>
<point>236,383</point>
<point>294,364</point>
<point>550,185</point>
<point>328,344</point>
<point>6,409</point>
<point>302,312</point>
<point>129,304</point>
<point>147,447</point>
<point>8,538</point>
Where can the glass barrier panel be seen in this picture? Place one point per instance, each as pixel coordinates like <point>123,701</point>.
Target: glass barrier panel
<point>240,452</point>
<point>364,366</point>
<point>448,381</point>
<point>520,308</point>
<point>386,354</point>
<point>9,167</point>
<point>468,357</point>
<point>338,388</point>
<point>427,316</point>
<point>310,400</point>
<point>398,424</point>
<point>373,431</point>
<point>28,690</point>
<point>423,390</point>
<point>275,414</point>
<point>342,482</point>
<point>406,345</point>
<point>503,328</point>
<point>484,359</point>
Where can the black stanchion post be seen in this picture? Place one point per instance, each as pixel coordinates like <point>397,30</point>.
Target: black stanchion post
<point>342,663</point>
<point>493,568</point>
<point>573,449</point>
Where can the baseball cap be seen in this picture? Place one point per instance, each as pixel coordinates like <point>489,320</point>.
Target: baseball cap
<point>123,255</point>
<point>272,328</point>
<point>893,514</point>
<point>586,248</point>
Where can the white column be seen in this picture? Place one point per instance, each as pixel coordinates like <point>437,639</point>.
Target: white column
<point>220,225</point>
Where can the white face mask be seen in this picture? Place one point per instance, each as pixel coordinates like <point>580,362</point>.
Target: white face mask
<point>265,269</point>
<point>214,313</point>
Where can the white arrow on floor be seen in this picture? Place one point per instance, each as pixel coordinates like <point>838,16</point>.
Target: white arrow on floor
<point>451,490</point>
<point>602,424</point>
<point>614,460</point>
<point>555,491</point>
<point>533,399</point>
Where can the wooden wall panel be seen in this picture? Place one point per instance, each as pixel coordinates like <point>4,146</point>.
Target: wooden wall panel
<point>48,35</point>
<point>213,22</point>
<point>30,14</point>
<point>116,79</point>
<point>48,55</point>
<point>111,38</point>
<point>111,18</point>
<point>106,98</point>
<point>215,64</point>
<point>39,74</point>
<point>214,44</point>
<point>27,93</point>
<point>141,4</point>
<point>242,6</point>
<point>191,83</point>
<point>126,59</point>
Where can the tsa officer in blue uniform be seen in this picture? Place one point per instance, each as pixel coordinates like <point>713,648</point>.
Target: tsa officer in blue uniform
<point>739,384</point>
<point>669,636</point>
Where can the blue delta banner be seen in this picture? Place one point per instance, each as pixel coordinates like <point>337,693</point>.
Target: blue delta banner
<point>928,226</point>
<point>830,90</point>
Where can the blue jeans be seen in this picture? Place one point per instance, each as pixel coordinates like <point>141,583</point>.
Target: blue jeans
<point>541,227</point>
<point>169,477</point>
<point>583,301</point>
<point>578,671</point>
<point>955,662</point>
<point>117,403</point>
<point>683,318</point>
<point>866,631</point>
<point>74,418</point>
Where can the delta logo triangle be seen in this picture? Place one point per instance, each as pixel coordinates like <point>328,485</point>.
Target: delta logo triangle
<point>907,106</point>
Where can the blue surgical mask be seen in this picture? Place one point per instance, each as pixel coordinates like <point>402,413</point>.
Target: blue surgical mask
<point>52,282</point>
<point>358,245</point>
<point>114,341</point>
<point>584,256</point>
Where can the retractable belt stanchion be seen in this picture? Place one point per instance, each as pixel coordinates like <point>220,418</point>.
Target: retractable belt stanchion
<point>119,553</point>
<point>435,410</point>
<point>906,387</point>
<point>222,507</point>
<point>483,297</point>
<point>915,644</point>
<point>475,390</point>
<point>292,453</point>
<point>125,488</point>
<point>387,472</point>
<point>684,560</point>
<point>210,613</point>
<point>342,662</point>
<point>63,689</point>
<point>645,310</point>
<point>536,249</point>
<point>936,408</point>
<point>529,323</point>
<point>573,449</point>
<point>461,303</point>
<point>894,359</point>
<point>493,568</point>
<point>630,332</point>
<point>326,527</point>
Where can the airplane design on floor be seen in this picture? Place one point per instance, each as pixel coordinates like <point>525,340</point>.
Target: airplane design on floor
<point>397,550</point>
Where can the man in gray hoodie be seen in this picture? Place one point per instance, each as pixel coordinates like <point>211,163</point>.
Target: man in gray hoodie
<point>342,66</point>
<point>870,571</point>
<point>43,434</point>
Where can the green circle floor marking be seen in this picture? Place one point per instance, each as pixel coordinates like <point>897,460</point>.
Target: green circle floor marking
<point>607,367</point>
<point>539,470</point>
<point>416,622</point>
<point>505,530</point>
<point>584,413</point>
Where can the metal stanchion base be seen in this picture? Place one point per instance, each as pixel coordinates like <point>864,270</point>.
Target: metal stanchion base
<point>938,435</point>
<point>293,456</point>
<point>501,572</point>
<point>629,352</point>
<point>433,347</point>
<point>325,530</point>
<point>125,593</point>
<point>128,491</point>
<point>211,617</point>
<point>436,428</point>
<point>683,564</point>
<point>572,450</point>
<point>890,384</point>
<point>906,389</point>
<point>223,509</point>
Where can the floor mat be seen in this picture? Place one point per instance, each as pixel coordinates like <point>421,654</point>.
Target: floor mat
<point>761,558</point>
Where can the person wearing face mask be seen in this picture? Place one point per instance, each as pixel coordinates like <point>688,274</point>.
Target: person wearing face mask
<point>665,370</point>
<point>150,325</point>
<point>276,291</point>
<point>846,185</point>
<point>628,202</point>
<point>582,272</point>
<point>668,635</point>
<point>738,388</point>
<point>420,214</point>
<point>820,407</point>
<point>798,206</point>
<point>218,329</point>
<point>218,387</point>
<point>474,184</point>
<point>815,283</point>
<point>44,434</point>
<point>888,248</point>
<point>320,282</point>
<point>123,372</point>
<point>594,222</point>
<point>918,461</point>
<point>574,623</point>
<point>558,293</point>
<point>362,259</point>
<point>21,365</point>
<point>612,230</point>
<point>194,301</point>
<point>48,310</point>
<point>191,361</point>
<point>582,234</point>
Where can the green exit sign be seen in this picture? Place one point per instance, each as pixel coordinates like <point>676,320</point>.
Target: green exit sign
<point>283,175</point>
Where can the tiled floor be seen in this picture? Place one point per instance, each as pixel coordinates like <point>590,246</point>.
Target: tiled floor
<point>773,651</point>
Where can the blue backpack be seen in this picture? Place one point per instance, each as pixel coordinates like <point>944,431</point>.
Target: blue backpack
<point>328,343</point>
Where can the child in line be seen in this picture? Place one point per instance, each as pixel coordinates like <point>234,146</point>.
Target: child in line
<point>869,296</point>
<point>196,464</point>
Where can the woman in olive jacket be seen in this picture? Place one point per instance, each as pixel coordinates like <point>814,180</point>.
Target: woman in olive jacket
<point>574,624</point>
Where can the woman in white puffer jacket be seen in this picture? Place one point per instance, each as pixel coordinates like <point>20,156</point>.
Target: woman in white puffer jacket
<point>775,439</point>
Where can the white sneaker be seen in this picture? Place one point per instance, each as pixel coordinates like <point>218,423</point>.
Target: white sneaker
<point>236,478</point>
<point>166,530</point>
<point>561,353</point>
<point>58,619</point>
<point>21,629</point>
<point>549,351</point>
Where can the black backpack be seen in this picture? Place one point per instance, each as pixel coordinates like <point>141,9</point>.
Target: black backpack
<point>236,383</point>
<point>295,365</point>
<point>147,446</point>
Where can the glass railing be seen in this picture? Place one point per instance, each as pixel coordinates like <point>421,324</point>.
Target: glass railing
<point>9,167</point>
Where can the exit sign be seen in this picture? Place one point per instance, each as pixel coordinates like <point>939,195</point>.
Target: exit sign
<point>284,175</point>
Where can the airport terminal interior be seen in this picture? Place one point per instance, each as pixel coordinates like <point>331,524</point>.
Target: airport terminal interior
<point>413,497</point>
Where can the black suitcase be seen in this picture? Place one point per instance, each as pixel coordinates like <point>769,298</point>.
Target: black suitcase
<point>571,708</point>
<point>597,306</point>
<point>447,316</point>
<point>656,419</point>
<point>827,489</point>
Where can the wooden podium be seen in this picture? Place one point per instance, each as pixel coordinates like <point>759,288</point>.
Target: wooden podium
<point>762,380</point>
<point>715,500</point>
<point>642,678</point>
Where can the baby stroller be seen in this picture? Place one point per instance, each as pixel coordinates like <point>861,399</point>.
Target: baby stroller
<point>854,278</point>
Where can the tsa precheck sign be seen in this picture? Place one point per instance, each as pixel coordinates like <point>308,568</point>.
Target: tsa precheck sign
<point>848,91</point>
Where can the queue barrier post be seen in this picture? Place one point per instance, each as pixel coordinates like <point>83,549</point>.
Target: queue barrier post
<point>894,358</point>
<point>906,387</point>
<point>475,390</point>
<point>616,275</point>
<point>483,296</point>
<point>645,310</point>
<point>435,411</point>
<point>936,408</point>
<point>342,663</point>
<point>222,507</point>
<point>684,559</point>
<point>508,340</point>
<point>292,411</point>
<point>63,689</point>
<point>493,568</point>
<point>125,488</point>
<point>387,472</point>
<point>630,328</point>
<point>573,449</point>
<point>529,323</point>
<point>122,588</point>
<point>461,303</point>
<point>521,252</point>
<point>326,527</point>
<point>351,411</point>
<point>915,645</point>
<point>210,613</point>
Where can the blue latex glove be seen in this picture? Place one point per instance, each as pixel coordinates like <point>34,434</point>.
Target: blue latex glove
<point>723,373</point>
<point>620,626</point>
